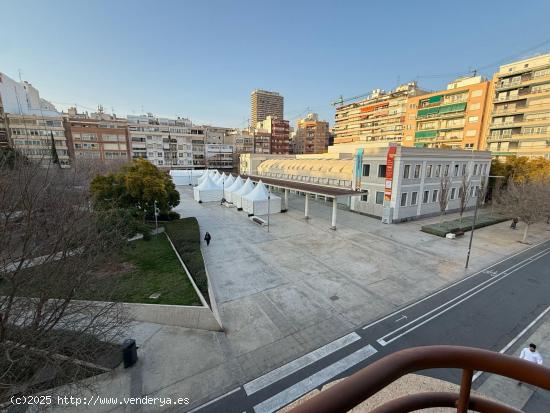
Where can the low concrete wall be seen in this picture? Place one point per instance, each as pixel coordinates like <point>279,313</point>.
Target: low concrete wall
<point>175,315</point>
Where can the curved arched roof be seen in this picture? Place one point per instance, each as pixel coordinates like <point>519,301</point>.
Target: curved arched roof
<point>321,168</point>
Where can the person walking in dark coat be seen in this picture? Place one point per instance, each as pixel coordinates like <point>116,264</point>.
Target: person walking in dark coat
<point>207,238</point>
<point>514,223</point>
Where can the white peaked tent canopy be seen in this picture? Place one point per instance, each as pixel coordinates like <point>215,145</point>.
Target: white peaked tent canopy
<point>236,197</point>
<point>230,190</point>
<point>220,178</point>
<point>206,172</point>
<point>207,191</point>
<point>229,181</point>
<point>260,202</point>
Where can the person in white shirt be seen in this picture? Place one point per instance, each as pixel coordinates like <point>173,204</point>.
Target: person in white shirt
<point>531,355</point>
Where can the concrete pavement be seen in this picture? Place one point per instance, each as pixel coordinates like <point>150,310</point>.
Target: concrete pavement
<point>285,293</point>
<point>485,310</point>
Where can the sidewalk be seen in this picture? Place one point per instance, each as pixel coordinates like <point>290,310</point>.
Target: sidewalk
<point>287,292</point>
<point>524,397</point>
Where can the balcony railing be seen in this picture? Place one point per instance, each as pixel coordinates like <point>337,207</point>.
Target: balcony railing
<point>357,388</point>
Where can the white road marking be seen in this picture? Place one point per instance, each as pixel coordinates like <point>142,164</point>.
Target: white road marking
<point>196,409</point>
<point>505,274</point>
<point>403,317</point>
<point>301,362</point>
<point>516,338</point>
<point>450,286</point>
<point>315,380</point>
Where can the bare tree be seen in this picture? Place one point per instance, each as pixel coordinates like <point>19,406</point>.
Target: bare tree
<point>444,191</point>
<point>51,244</point>
<point>527,201</point>
<point>464,192</point>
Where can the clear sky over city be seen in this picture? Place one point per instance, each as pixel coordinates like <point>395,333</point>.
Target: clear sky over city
<point>201,59</point>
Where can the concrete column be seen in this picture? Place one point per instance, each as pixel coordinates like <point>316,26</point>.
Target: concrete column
<point>306,212</point>
<point>286,199</point>
<point>334,209</point>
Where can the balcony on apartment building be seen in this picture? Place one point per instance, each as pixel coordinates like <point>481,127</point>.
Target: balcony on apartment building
<point>525,80</point>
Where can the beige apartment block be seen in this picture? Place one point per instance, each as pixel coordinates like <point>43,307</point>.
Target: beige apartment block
<point>312,135</point>
<point>31,124</point>
<point>166,142</point>
<point>263,104</point>
<point>452,118</point>
<point>519,122</point>
<point>32,135</point>
<point>379,117</point>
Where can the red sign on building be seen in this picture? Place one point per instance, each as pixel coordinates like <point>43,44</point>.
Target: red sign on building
<point>389,172</point>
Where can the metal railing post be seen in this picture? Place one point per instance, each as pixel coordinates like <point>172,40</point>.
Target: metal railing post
<point>465,388</point>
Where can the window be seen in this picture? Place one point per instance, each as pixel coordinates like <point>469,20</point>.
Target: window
<point>425,197</point>
<point>417,171</point>
<point>475,106</point>
<point>463,169</point>
<point>473,119</point>
<point>477,93</point>
<point>404,199</point>
<point>414,198</point>
<point>469,146</point>
<point>453,193</point>
<point>456,170</point>
<point>428,171</point>
<point>434,195</point>
<point>446,170</point>
<point>475,169</point>
<point>379,197</point>
<point>406,171</point>
<point>381,171</point>
<point>366,169</point>
<point>472,132</point>
<point>365,197</point>
<point>437,171</point>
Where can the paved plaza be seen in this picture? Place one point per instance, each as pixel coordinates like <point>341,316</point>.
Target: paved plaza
<point>288,291</point>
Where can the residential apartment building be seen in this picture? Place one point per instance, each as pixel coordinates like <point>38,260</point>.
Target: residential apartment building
<point>263,104</point>
<point>242,139</point>
<point>219,156</point>
<point>312,135</point>
<point>262,141</point>
<point>167,142</point>
<point>33,125</point>
<point>451,118</point>
<point>519,122</point>
<point>216,134</point>
<point>97,136</point>
<point>279,131</point>
<point>378,118</point>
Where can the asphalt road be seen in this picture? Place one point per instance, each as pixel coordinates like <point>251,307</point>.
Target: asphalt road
<point>487,310</point>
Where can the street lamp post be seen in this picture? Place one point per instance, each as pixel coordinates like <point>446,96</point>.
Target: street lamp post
<point>156,219</point>
<point>268,205</point>
<point>473,228</point>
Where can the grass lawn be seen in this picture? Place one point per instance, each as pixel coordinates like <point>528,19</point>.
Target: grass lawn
<point>154,268</point>
<point>185,234</point>
<point>141,269</point>
<point>465,225</point>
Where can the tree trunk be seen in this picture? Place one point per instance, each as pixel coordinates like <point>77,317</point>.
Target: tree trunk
<point>525,232</point>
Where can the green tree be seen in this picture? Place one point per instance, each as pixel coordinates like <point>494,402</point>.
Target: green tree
<point>138,186</point>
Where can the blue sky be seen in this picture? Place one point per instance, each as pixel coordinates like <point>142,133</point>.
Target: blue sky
<point>201,59</point>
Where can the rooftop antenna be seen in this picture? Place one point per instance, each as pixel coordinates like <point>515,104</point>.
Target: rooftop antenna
<point>20,72</point>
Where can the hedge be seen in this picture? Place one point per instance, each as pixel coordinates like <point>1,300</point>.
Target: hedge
<point>465,225</point>
<point>186,237</point>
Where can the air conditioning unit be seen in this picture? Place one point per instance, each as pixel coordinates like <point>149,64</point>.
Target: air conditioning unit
<point>387,215</point>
